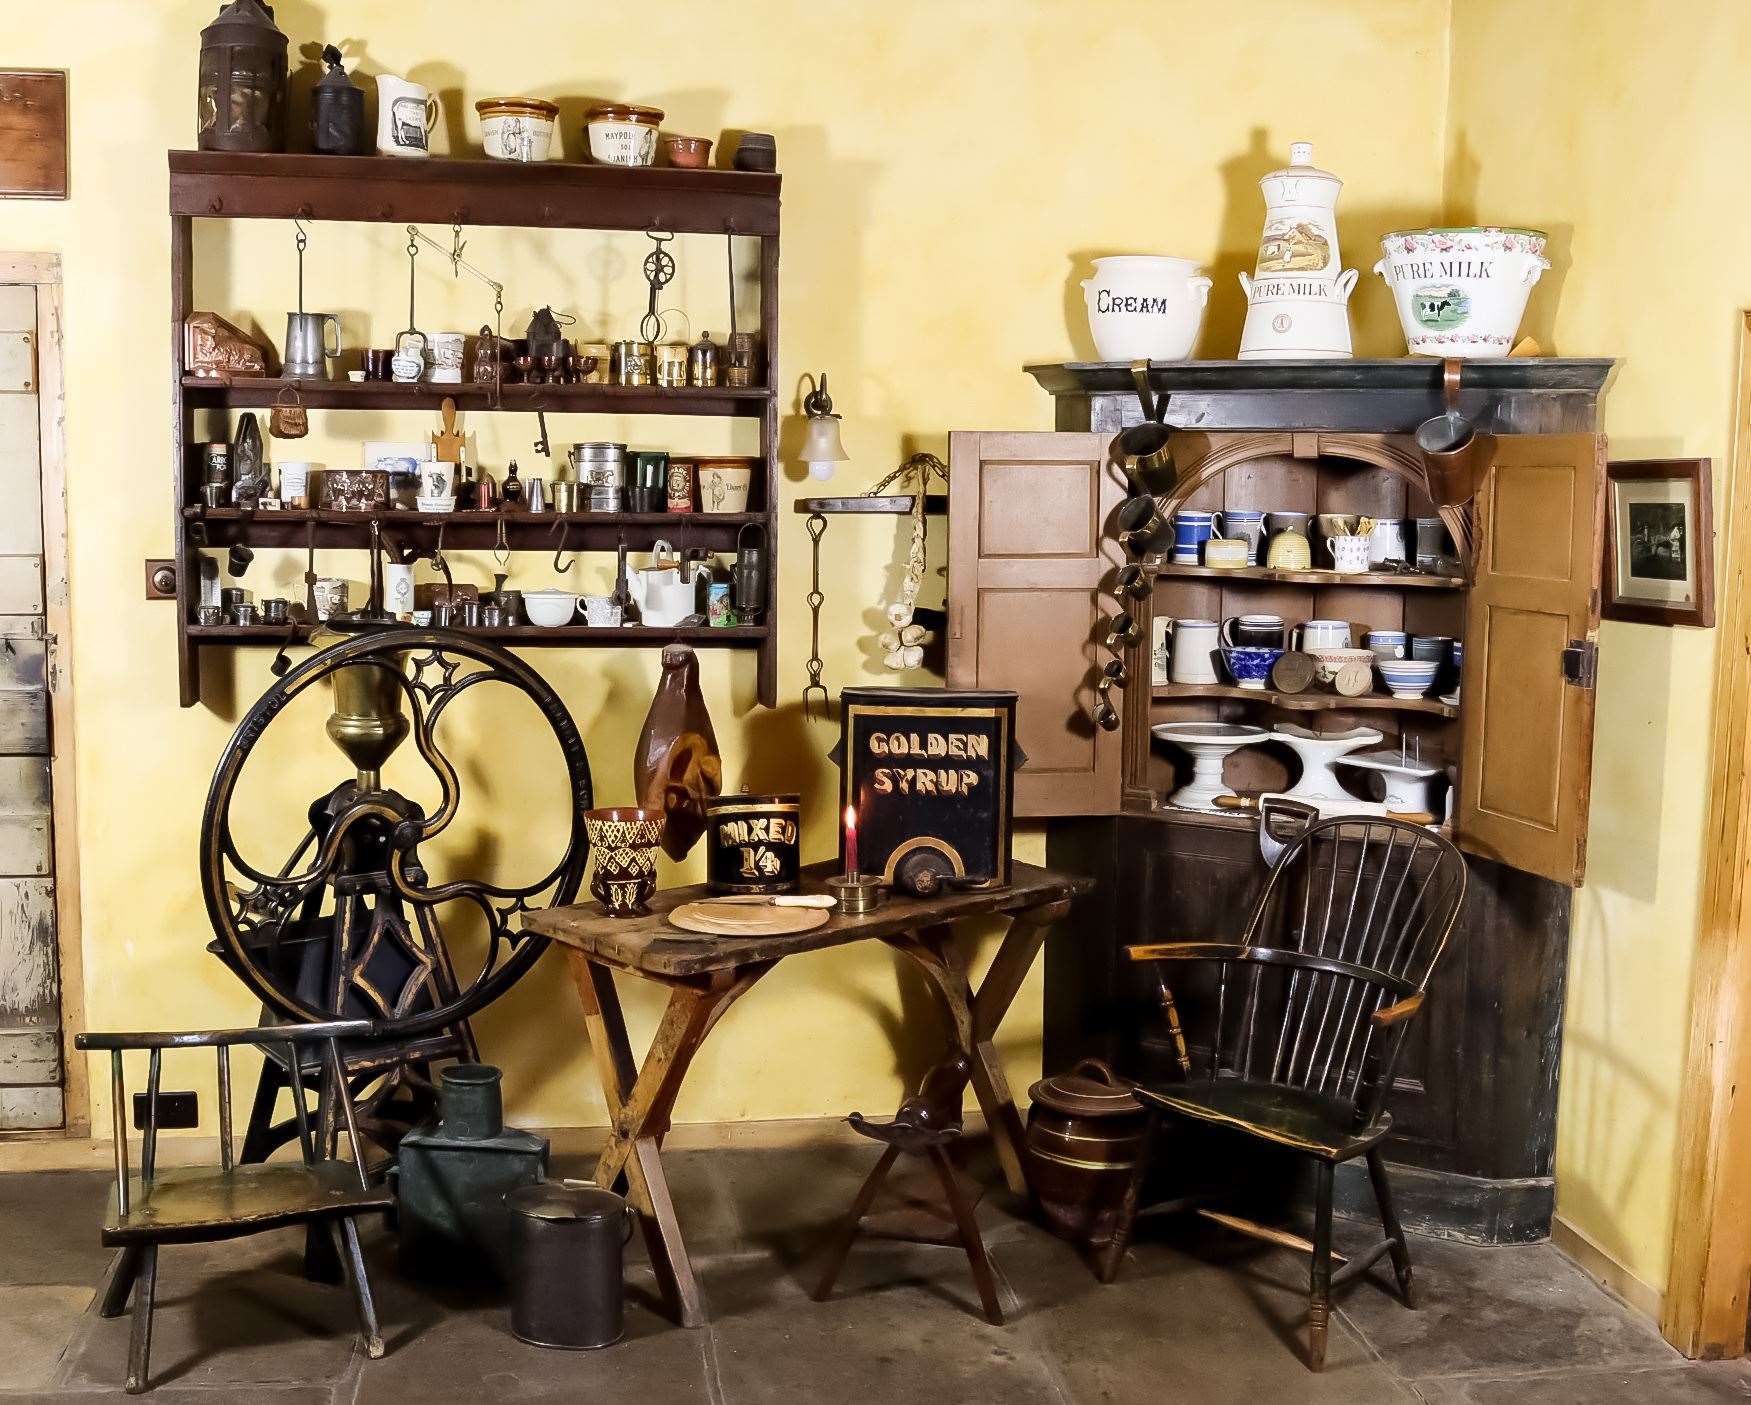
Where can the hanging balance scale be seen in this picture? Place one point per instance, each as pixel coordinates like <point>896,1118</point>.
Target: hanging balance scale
<point>409,360</point>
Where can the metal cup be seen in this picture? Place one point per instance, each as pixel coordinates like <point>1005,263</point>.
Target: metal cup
<point>491,616</point>
<point>307,348</point>
<point>1454,454</point>
<point>469,614</point>
<point>276,611</point>
<point>535,495</point>
<point>1139,522</point>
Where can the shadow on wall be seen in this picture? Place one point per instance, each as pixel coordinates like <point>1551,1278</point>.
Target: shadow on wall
<point>1464,170</point>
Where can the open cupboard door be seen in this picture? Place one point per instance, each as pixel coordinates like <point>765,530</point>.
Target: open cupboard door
<point>1028,555</point>
<point>1532,622</point>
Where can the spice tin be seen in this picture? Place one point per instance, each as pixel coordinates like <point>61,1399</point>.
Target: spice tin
<point>751,843</point>
<point>671,362</point>
<point>718,610</point>
<point>680,489</point>
<point>930,773</point>
<point>633,362</point>
<point>217,460</point>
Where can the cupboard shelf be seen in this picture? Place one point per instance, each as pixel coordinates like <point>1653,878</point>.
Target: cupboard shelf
<point>1396,580</point>
<point>522,635</point>
<point>524,531</point>
<point>1301,702</point>
<point>261,392</point>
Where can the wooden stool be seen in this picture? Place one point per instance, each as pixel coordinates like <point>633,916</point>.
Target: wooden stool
<point>924,1126</point>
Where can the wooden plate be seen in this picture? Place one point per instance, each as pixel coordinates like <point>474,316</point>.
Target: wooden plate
<point>727,919</point>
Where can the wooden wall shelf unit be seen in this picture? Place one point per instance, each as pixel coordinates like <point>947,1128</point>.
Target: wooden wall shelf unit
<point>444,191</point>
<point>1032,554</point>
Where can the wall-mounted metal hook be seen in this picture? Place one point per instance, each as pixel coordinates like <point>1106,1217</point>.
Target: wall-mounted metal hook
<point>564,527</point>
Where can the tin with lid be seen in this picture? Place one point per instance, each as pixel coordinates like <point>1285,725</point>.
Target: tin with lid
<point>568,1238</point>
<point>752,843</point>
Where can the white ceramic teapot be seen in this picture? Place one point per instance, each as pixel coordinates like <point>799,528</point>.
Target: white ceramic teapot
<point>663,596</point>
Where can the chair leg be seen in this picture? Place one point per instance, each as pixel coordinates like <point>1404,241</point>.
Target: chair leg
<point>140,1343</point>
<point>848,1231</point>
<point>1107,1265</point>
<point>1401,1254</point>
<point>1319,1296</point>
<point>122,1273</point>
<point>971,1240</point>
<point>345,1235</point>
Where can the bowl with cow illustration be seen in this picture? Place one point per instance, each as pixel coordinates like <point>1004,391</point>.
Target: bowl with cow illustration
<point>1461,292</point>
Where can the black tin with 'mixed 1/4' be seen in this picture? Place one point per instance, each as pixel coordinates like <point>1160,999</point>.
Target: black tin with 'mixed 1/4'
<point>930,773</point>
<point>751,843</point>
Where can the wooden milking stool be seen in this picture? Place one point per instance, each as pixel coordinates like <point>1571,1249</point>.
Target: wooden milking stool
<point>924,1126</point>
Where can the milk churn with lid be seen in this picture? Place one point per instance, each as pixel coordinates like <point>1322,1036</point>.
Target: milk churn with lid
<point>1297,299</point>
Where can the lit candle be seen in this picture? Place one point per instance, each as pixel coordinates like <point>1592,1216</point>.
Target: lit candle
<point>850,841</point>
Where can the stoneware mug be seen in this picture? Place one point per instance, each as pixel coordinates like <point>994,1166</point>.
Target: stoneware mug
<point>1191,529</point>
<point>406,114</point>
<point>1194,644</point>
<point>1321,634</point>
<point>1246,523</point>
<point>1349,555</point>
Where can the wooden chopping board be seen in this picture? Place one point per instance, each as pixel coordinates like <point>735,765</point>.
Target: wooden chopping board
<point>731,919</point>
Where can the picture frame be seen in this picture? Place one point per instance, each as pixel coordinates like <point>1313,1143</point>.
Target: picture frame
<point>33,133</point>
<point>1659,542</point>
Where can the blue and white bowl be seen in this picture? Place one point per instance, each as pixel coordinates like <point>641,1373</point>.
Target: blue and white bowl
<point>1408,678</point>
<point>1251,664</point>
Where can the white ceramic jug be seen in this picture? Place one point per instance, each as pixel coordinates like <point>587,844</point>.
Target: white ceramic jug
<point>1194,648</point>
<point>663,596</point>
<point>406,114</point>
<point>1297,300</point>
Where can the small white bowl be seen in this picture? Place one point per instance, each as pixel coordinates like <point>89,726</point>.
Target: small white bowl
<point>1408,678</point>
<point>549,608</point>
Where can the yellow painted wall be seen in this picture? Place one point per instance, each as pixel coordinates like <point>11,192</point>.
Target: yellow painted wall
<point>1619,127</point>
<point>949,168</point>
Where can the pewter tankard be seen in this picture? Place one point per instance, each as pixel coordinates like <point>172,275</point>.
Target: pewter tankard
<point>307,348</point>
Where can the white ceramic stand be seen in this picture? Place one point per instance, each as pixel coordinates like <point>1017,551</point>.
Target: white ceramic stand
<point>1316,752</point>
<point>1209,745</point>
<point>1410,783</point>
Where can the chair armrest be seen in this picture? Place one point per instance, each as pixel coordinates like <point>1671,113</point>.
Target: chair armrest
<point>209,1038</point>
<point>1188,951</point>
<point>1395,1014</point>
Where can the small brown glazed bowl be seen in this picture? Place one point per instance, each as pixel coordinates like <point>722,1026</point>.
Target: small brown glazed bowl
<point>625,840</point>
<point>690,152</point>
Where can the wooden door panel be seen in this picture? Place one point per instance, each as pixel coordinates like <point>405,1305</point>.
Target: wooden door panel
<point>1528,733</point>
<point>1029,552</point>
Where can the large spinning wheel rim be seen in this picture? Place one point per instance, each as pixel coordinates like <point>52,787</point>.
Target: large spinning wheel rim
<point>390,649</point>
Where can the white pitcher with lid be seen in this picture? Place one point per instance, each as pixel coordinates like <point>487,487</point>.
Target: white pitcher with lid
<point>1297,300</point>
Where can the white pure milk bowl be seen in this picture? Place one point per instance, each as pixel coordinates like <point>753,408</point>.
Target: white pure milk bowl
<point>1461,292</point>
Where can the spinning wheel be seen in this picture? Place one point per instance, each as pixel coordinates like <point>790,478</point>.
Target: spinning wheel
<point>352,924</point>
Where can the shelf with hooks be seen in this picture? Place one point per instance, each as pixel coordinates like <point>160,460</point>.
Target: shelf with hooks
<point>460,193</point>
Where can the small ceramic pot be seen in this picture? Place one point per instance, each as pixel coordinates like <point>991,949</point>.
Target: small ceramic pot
<point>517,129</point>
<point>1084,1135</point>
<point>623,134</point>
<point>724,484</point>
<point>625,874</point>
<point>1194,644</point>
<point>1321,634</point>
<point>549,608</point>
<point>1327,662</point>
<point>1461,292</point>
<point>1388,643</point>
<point>444,357</point>
<point>678,491</point>
<point>689,152</point>
<point>1226,553</point>
<point>1251,665</point>
<point>406,114</point>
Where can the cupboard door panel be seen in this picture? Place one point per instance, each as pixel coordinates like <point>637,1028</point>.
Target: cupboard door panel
<point>1029,551</point>
<point>1528,754</point>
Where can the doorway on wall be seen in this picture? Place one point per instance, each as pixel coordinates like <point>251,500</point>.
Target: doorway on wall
<point>39,921</point>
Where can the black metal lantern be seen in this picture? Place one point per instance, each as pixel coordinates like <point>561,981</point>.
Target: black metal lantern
<point>337,111</point>
<point>242,105</point>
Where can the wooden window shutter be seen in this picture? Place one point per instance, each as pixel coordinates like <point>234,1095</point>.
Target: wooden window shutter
<point>1531,626</point>
<point>1029,553</point>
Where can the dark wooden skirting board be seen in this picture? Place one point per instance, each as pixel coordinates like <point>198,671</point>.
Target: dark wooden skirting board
<point>1475,1098</point>
<point>1447,1205</point>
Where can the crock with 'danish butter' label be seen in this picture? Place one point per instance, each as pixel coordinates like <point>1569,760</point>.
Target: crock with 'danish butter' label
<point>623,134</point>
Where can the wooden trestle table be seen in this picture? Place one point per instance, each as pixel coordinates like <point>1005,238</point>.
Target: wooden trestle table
<point>705,975</point>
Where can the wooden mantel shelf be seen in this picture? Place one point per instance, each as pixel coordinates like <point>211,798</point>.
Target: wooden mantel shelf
<point>474,191</point>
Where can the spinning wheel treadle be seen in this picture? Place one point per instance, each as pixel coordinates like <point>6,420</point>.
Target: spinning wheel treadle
<point>351,924</point>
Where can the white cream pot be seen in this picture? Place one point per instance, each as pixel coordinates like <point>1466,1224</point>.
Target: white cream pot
<point>1145,307</point>
<point>1461,292</point>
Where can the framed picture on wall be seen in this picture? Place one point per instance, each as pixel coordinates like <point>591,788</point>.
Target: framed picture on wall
<point>1659,542</point>
<point>33,134</point>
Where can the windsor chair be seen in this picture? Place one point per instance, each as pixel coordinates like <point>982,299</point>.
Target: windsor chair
<point>1308,1017</point>
<point>184,1205</point>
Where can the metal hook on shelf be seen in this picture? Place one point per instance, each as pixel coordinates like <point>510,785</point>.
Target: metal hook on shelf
<point>440,563</point>
<point>501,547</point>
<point>564,527</point>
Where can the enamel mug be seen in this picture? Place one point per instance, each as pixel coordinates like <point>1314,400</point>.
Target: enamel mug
<point>1193,644</point>
<point>406,114</point>
<point>1386,542</point>
<point>1388,643</point>
<point>1349,555</point>
<point>1321,634</point>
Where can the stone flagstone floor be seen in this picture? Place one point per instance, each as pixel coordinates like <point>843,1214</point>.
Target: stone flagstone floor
<point>1198,1316</point>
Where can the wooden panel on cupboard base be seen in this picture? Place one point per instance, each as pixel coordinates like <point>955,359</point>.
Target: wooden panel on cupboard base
<point>1479,1150</point>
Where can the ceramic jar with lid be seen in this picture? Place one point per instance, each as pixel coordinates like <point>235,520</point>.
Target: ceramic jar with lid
<point>623,134</point>
<point>1297,300</point>
<point>517,129</point>
<point>1084,1135</point>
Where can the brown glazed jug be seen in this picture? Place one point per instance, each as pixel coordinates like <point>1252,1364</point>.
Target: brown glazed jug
<point>1084,1134</point>
<point>676,767</point>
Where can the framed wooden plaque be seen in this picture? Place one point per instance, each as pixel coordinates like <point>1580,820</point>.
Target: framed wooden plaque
<point>33,133</point>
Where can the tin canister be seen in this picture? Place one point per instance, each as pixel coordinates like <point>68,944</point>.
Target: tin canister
<point>605,499</point>
<point>742,360</point>
<point>599,464</point>
<point>604,354</point>
<point>671,358</point>
<point>930,772</point>
<point>563,495</point>
<point>702,361</point>
<point>216,460</point>
<point>751,843</point>
<point>718,610</point>
<point>633,362</point>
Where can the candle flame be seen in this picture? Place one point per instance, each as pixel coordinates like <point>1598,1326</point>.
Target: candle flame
<point>851,817</point>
